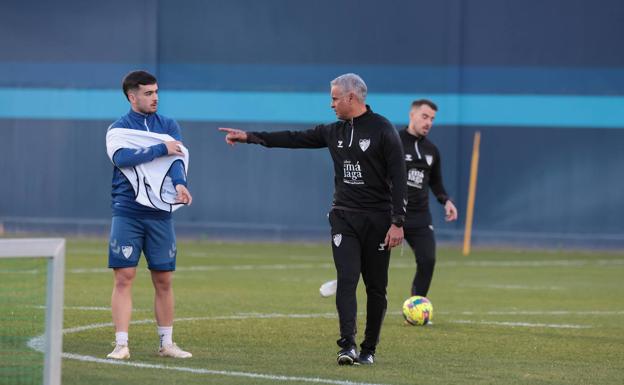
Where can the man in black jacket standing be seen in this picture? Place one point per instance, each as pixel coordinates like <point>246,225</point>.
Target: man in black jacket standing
<point>422,160</point>
<point>368,209</point>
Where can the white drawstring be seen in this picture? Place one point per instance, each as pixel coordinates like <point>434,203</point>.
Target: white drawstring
<point>416,147</point>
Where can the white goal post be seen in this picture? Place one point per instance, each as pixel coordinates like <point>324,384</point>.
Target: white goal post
<point>54,250</point>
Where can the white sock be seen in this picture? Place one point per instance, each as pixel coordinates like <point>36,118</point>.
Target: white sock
<point>165,333</point>
<point>121,338</point>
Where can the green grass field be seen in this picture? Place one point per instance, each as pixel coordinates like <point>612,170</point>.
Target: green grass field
<point>252,314</point>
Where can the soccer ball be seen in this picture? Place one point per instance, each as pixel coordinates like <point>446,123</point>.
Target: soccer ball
<point>417,310</point>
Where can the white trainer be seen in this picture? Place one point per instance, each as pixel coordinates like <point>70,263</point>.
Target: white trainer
<point>121,352</point>
<point>174,351</point>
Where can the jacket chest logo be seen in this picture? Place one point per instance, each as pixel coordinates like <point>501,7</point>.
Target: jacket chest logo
<point>415,178</point>
<point>340,144</point>
<point>429,159</point>
<point>364,144</point>
<point>408,157</point>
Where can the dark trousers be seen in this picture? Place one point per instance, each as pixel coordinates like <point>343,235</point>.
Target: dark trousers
<point>422,242</point>
<point>358,248</point>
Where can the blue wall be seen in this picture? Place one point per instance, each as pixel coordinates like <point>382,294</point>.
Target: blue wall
<point>542,80</point>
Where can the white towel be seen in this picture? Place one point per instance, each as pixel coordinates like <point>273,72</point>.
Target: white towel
<point>152,187</point>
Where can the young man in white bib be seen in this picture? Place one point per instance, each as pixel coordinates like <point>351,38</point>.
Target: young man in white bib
<point>149,183</point>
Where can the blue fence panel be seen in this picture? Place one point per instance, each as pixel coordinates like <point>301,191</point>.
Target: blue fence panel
<point>540,80</point>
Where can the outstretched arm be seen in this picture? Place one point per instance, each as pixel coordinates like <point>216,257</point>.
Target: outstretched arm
<point>234,135</point>
<point>313,138</point>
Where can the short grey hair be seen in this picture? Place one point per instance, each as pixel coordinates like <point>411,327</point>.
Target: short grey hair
<point>351,83</point>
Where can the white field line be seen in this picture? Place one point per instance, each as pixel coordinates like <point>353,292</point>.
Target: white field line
<point>30,271</point>
<point>226,373</point>
<point>400,265</point>
<point>278,266</point>
<point>94,308</point>
<point>333,315</point>
<point>87,308</point>
<point>248,316</point>
<point>309,266</point>
<point>539,312</point>
<point>523,324</point>
<point>36,343</point>
<point>195,254</point>
<point>538,263</point>
<point>512,287</point>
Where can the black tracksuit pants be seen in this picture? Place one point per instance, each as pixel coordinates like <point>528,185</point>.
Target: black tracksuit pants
<point>358,248</point>
<point>422,242</point>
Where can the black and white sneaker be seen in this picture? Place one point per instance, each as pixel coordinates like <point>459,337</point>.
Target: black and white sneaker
<point>366,358</point>
<point>347,356</point>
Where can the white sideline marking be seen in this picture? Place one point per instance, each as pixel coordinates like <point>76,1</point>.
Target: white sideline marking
<point>538,263</point>
<point>246,316</point>
<point>513,287</point>
<point>102,308</point>
<point>523,324</point>
<point>37,344</point>
<point>30,271</point>
<point>400,265</point>
<point>87,308</point>
<point>333,315</point>
<point>239,316</point>
<point>214,372</point>
<point>278,266</point>
<point>194,254</point>
<point>541,312</point>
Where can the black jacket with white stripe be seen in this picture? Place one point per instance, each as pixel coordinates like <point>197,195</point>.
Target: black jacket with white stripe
<point>423,165</point>
<point>368,161</point>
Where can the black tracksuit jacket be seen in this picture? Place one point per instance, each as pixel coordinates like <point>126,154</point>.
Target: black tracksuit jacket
<point>422,160</point>
<point>368,161</point>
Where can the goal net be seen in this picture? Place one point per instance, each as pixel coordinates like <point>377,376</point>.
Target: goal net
<point>31,305</point>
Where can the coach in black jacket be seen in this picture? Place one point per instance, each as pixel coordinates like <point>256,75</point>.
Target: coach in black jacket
<point>368,210</point>
<point>424,172</point>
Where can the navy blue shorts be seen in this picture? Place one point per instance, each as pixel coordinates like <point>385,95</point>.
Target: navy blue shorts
<point>154,237</point>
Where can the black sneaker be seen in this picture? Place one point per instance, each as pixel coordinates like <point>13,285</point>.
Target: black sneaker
<point>366,358</point>
<point>347,356</point>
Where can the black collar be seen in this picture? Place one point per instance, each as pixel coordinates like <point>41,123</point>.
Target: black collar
<point>365,115</point>
<point>416,137</point>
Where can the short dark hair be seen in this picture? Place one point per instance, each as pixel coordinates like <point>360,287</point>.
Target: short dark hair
<point>420,102</point>
<point>134,79</point>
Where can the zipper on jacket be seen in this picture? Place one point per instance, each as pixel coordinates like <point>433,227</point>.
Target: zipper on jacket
<point>352,129</point>
<point>145,124</point>
<point>416,148</point>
